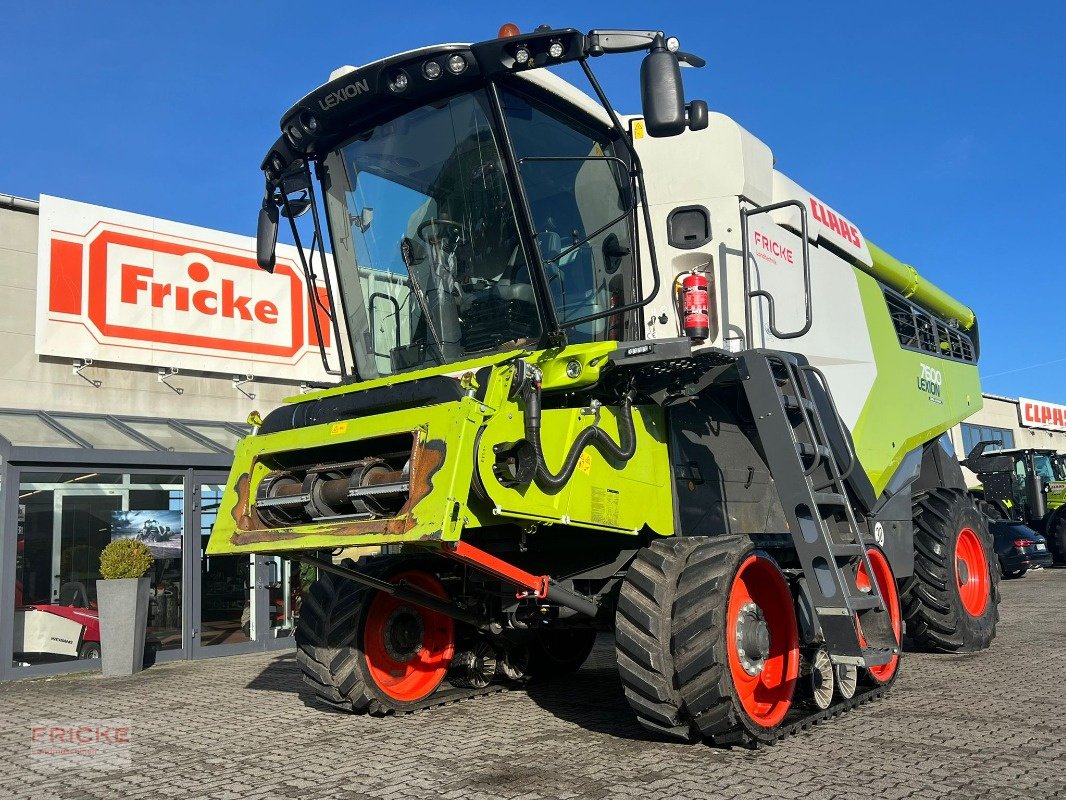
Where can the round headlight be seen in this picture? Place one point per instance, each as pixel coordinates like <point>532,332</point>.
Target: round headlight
<point>555,49</point>
<point>277,163</point>
<point>308,122</point>
<point>399,82</point>
<point>431,69</point>
<point>673,44</point>
<point>456,64</point>
<point>295,134</point>
<point>521,55</point>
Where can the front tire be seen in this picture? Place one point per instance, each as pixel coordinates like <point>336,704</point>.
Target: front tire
<point>952,601</point>
<point>363,650</point>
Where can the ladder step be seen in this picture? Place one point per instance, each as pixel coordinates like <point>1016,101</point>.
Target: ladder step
<point>811,451</point>
<point>846,550</point>
<point>834,499</point>
<point>878,656</point>
<point>793,403</point>
<point>861,602</point>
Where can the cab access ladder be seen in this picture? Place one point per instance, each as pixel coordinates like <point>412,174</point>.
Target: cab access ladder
<point>792,421</point>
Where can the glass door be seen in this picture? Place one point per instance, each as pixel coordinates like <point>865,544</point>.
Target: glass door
<point>227,589</point>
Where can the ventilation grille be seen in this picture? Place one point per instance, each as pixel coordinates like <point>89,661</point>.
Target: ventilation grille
<point>919,330</point>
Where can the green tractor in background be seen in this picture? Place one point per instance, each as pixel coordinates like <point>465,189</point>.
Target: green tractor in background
<point>1026,485</point>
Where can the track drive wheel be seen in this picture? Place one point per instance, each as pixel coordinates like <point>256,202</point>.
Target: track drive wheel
<point>365,651</point>
<point>891,624</point>
<point>952,601</point>
<point>707,640</point>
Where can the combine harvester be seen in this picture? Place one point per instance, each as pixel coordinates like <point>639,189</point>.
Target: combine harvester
<point>604,373</point>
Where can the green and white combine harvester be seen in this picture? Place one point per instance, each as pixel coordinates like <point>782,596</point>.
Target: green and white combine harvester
<point>604,373</point>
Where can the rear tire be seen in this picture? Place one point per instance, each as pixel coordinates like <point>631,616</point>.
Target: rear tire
<point>363,651</point>
<point>1056,536</point>
<point>1017,573</point>
<point>951,603</point>
<point>682,604</point>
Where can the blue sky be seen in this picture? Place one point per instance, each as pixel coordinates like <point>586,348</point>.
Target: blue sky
<point>936,126</point>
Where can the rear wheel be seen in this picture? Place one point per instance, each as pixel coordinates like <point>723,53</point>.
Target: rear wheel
<point>952,601</point>
<point>89,650</point>
<point>364,650</point>
<point>707,640</point>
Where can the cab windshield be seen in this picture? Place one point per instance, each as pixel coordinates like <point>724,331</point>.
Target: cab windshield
<point>427,245</point>
<point>1042,465</point>
<point>1058,463</point>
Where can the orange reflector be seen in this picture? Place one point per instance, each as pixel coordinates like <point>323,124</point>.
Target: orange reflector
<point>508,29</point>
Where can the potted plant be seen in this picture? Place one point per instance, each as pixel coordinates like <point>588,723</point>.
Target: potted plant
<point>122,597</point>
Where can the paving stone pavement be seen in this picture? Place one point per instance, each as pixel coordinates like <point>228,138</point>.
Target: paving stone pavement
<point>991,724</point>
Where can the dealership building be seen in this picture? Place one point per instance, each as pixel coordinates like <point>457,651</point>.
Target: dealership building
<point>136,348</point>
<point>1018,423</point>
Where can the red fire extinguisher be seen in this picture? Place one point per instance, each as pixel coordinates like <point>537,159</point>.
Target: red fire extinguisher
<point>694,306</point>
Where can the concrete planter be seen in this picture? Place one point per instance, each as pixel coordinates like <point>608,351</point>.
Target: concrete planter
<point>123,617</point>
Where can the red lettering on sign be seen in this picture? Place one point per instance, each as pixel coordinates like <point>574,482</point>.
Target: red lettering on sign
<point>204,291</point>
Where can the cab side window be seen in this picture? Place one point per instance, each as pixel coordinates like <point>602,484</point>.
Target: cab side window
<point>580,199</point>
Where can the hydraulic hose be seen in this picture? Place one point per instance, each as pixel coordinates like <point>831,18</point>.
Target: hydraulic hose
<point>623,451</point>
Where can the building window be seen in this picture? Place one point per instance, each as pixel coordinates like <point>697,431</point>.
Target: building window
<point>65,519</point>
<point>972,434</point>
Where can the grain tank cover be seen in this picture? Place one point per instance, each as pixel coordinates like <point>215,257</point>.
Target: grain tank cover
<point>828,226</point>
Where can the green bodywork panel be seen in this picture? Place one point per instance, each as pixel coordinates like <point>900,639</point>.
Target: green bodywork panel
<point>450,441</point>
<point>905,409</point>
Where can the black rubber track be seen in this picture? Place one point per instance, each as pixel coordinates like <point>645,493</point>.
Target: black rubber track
<point>328,639</point>
<point>932,608</point>
<point>699,636</point>
<point>643,635</point>
<point>671,644</point>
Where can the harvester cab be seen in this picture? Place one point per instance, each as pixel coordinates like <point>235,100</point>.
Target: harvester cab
<point>602,372</point>
<point>1024,484</point>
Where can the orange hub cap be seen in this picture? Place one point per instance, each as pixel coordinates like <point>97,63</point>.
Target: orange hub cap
<point>971,572</point>
<point>762,640</point>
<point>408,648</point>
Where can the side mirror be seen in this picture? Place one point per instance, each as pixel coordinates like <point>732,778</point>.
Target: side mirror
<point>662,93</point>
<point>266,236</point>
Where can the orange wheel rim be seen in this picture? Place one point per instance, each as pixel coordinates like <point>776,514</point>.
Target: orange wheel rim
<point>763,668</point>
<point>408,648</point>
<point>971,572</point>
<point>886,585</point>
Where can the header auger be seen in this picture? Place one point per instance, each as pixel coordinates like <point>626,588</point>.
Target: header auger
<point>604,373</point>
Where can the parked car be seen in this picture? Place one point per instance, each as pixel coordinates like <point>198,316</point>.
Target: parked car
<point>1019,548</point>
